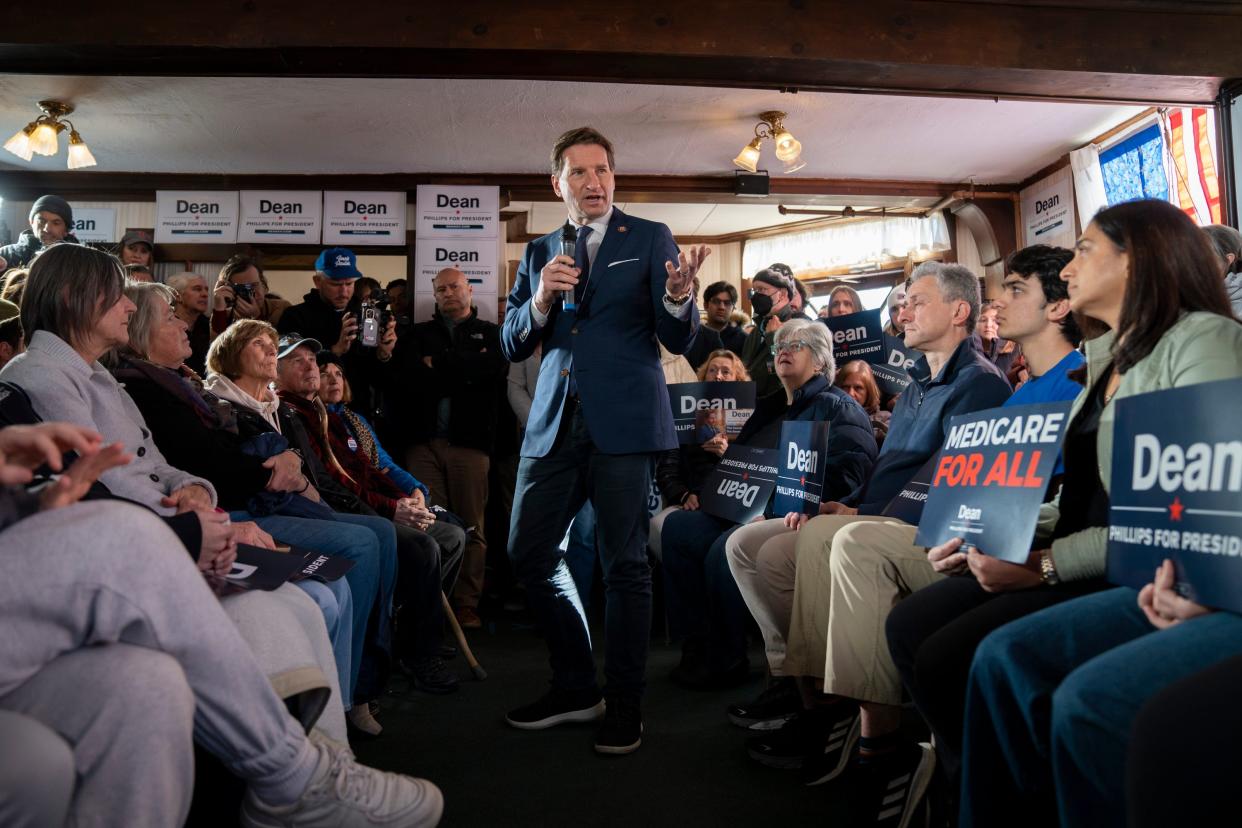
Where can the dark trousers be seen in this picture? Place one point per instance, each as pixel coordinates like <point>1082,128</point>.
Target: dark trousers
<point>550,491</point>
<point>1183,760</point>
<point>425,561</point>
<point>704,603</point>
<point>933,635</point>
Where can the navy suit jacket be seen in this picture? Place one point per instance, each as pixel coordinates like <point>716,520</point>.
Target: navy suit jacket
<point>610,342</point>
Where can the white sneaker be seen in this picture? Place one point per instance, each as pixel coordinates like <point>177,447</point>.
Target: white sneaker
<point>343,793</point>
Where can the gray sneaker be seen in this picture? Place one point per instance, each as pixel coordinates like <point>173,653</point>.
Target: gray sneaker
<point>344,793</point>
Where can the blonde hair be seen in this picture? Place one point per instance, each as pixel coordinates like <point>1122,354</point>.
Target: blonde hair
<point>739,368</point>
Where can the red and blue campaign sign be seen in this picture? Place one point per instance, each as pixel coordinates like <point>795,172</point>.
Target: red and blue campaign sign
<point>739,487</point>
<point>1176,491</point>
<point>857,336</point>
<point>804,454</point>
<point>701,410</point>
<point>990,479</point>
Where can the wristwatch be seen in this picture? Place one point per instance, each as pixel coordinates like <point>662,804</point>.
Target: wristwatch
<point>1047,569</point>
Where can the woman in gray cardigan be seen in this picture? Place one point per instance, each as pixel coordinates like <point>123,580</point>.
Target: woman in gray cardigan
<point>74,311</point>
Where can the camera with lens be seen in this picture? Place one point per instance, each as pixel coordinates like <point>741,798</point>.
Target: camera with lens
<point>245,291</point>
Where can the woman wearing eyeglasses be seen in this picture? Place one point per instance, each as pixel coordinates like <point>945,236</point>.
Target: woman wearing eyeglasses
<point>704,604</point>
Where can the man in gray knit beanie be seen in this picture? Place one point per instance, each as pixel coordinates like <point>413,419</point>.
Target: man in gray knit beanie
<point>51,221</point>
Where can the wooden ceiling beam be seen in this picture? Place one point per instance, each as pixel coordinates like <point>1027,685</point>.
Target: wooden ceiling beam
<point>1115,50</point>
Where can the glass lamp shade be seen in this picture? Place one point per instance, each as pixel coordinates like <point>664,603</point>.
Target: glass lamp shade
<point>43,140</point>
<point>794,164</point>
<point>19,144</point>
<point>787,147</point>
<point>748,158</point>
<point>79,154</point>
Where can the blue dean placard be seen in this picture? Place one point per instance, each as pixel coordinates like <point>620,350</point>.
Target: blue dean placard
<point>701,410</point>
<point>803,462</point>
<point>989,482</point>
<point>739,487</point>
<point>857,336</point>
<point>907,505</point>
<point>891,374</point>
<point>1176,491</point>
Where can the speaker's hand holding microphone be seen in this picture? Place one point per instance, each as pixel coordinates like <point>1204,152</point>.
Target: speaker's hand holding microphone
<point>559,276</point>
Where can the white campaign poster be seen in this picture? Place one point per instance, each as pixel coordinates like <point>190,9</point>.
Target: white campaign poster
<point>205,216</point>
<point>478,260</point>
<point>363,218</point>
<point>94,224</point>
<point>280,216</point>
<point>1048,211</point>
<point>457,212</point>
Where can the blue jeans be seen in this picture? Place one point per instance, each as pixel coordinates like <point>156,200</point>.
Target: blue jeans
<point>371,580</point>
<point>1052,698</point>
<point>703,600</point>
<point>550,491</point>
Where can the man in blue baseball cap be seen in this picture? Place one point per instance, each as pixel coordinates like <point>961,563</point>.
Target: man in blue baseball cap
<point>322,314</point>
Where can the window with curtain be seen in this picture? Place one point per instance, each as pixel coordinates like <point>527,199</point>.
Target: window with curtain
<point>847,244</point>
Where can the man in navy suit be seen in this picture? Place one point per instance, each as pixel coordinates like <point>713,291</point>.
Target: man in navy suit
<point>600,414</point>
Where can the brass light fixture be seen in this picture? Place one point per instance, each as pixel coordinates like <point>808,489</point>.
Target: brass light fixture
<point>788,148</point>
<point>42,136</point>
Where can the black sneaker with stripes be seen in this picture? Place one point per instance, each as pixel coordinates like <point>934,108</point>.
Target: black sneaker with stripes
<point>895,785</point>
<point>838,750</point>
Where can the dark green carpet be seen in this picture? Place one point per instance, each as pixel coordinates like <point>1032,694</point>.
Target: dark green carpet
<point>691,770</point>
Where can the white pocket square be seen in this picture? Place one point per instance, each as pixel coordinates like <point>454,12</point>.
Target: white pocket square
<point>623,261</point>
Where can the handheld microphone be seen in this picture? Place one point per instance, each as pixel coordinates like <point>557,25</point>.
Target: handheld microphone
<point>569,244</point>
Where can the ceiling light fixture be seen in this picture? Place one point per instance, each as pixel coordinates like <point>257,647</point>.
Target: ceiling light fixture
<point>788,148</point>
<point>42,136</point>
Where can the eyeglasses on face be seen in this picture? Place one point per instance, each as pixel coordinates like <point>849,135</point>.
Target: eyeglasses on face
<point>796,346</point>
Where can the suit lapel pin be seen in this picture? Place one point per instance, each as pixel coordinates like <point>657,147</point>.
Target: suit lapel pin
<point>621,229</point>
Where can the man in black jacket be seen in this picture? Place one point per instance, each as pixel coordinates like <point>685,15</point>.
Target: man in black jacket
<point>51,220</point>
<point>324,315</point>
<point>442,393</point>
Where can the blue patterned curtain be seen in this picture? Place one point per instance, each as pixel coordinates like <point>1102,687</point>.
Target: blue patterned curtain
<point>1134,168</point>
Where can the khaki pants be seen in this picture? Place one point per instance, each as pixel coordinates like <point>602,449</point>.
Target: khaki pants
<point>457,478</point>
<point>761,557</point>
<point>851,570</point>
<point>873,566</point>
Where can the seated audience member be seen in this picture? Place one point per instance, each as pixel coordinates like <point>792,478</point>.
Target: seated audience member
<point>421,572</point>
<point>680,472</point>
<point>14,282</point>
<point>856,379</point>
<point>335,393</point>
<point>1002,352</point>
<point>136,248</point>
<point>704,605</point>
<point>442,414</point>
<point>719,301</point>
<point>843,301</point>
<point>790,578</point>
<point>191,308</point>
<point>271,489</point>
<point>1200,712</point>
<point>1227,242</point>
<point>241,292</point>
<point>61,375</point>
<point>51,219</point>
<point>139,273</point>
<point>895,302</point>
<point>12,339</point>
<point>771,296</point>
<point>128,684</point>
<point>1147,272</point>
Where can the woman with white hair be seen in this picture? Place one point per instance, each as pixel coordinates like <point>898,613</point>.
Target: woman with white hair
<point>704,604</point>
